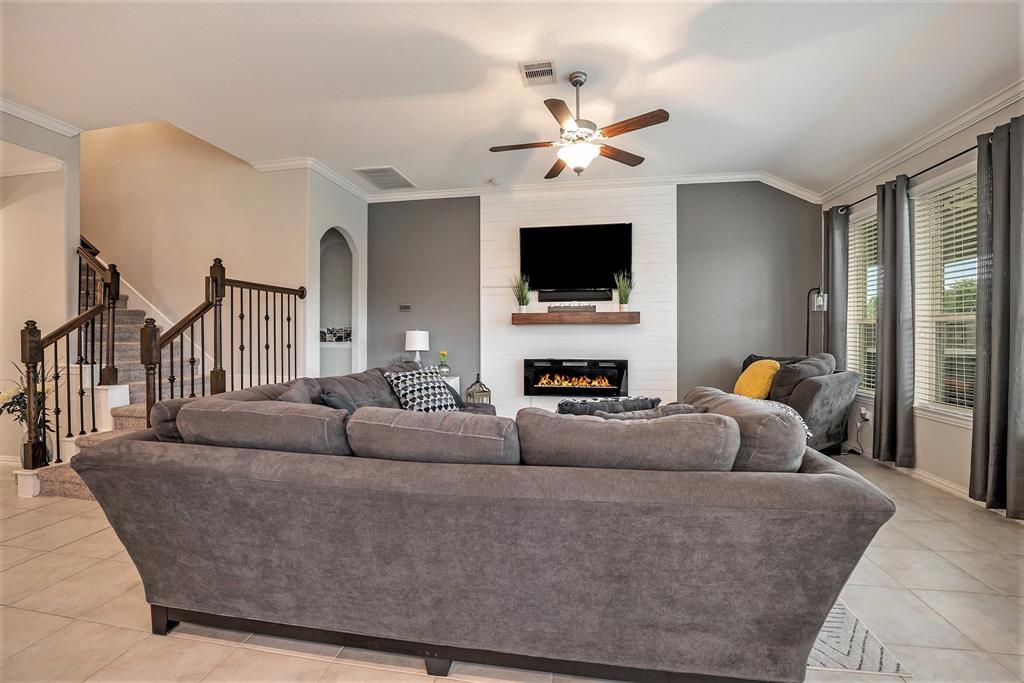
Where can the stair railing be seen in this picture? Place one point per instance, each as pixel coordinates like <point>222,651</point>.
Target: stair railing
<point>71,350</point>
<point>270,355</point>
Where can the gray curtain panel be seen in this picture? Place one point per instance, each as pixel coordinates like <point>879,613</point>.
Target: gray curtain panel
<point>997,446</point>
<point>894,355</point>
<point>837,229</point>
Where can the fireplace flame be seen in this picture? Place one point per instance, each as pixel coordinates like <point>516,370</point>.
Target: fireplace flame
<point>581,382</point>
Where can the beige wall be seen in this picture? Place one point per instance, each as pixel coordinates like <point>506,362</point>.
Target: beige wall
<point>161,204</point>
<point>38,238</point>
<point>32,213</point>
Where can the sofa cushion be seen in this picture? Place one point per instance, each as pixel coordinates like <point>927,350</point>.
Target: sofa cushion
<point>692,443</point>
<point>674,408</point>
<point>163,418</point>
<point>770,441</point>
<point>791,374</point>
<point>422,390</point>
<point>444,437</point>
<point>368,388</point>
<point>756,380</point>
<point>269,425</point>
<point>620,404</point>
<point>302,390</point>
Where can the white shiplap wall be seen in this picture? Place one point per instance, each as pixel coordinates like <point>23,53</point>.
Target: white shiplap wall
<point>650,347</point>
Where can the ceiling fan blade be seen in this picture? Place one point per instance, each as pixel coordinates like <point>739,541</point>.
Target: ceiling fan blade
<point>525,145</point>
<point>651,118</point>
<point>560,110</point>
<point>555,170</point>
<point>621,155</point>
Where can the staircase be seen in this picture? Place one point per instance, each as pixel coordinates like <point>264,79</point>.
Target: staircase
<point>241,334</point>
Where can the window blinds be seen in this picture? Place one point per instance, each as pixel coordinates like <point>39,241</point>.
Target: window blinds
<point>945,296</point>
<point>862,299</point>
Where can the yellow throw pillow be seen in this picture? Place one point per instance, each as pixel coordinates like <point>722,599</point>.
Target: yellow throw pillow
<point>756,380</point>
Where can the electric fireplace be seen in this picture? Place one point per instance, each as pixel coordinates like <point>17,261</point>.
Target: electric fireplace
<point>574,377</point>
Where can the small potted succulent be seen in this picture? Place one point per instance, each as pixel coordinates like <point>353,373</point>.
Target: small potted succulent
<point>520,285</point>
<point>624,286</point>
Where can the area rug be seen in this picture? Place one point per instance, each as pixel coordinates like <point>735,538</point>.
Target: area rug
<point>845,644</point>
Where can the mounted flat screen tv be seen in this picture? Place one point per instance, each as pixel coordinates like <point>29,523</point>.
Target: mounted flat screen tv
<point>575,262</point>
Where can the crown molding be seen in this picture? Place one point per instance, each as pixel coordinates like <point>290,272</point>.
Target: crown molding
<point>1002,99</point>
<point>314,165</point>
<point>13,108</point>
<point>31,168</point>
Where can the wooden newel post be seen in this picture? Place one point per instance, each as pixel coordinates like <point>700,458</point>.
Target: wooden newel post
<point>150,357</point>
<point>33,455</point>
<point>218,378</point>
<point>108,375</point>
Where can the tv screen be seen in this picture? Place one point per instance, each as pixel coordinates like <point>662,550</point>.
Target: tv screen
<point>575,256</point>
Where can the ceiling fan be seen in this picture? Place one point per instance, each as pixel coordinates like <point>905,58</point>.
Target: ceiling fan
<point>580,141</point>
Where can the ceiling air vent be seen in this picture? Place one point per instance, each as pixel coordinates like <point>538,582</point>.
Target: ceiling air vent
<point>384,177</point>
<point>538,73</point>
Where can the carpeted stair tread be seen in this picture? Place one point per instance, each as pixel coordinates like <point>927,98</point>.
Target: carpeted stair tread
<point>61,480</point>
<point>98,437</point>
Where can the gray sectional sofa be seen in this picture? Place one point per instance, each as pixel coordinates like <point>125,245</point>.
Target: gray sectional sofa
<point>706,546</point>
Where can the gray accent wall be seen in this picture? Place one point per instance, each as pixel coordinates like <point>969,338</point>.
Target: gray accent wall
<point>747,254</point>
<point>425,253</point>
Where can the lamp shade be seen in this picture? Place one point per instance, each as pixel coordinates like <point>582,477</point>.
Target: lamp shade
<point>417,340</point>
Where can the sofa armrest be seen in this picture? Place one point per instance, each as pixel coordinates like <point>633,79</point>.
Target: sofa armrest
<point>824,402</point>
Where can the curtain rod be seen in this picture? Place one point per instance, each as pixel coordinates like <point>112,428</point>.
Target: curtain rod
<point>932,167</point>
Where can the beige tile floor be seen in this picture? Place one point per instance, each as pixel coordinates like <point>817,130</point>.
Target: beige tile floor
<point>942,585</point>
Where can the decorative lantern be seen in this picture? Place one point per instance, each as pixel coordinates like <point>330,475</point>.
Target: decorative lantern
<point>478,392</point>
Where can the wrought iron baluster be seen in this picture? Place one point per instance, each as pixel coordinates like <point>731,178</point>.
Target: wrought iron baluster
<point>231,334</point>
<point>92,372</point>
<point>202,355</point>
<point>266,326</point>
<point>56,395</point>
<point>81,386</point>
<point>277,347</point>
<point>250,338</point>
<point>102,335</point>
<point>67,381</point>
<point>170,369</point>
<point>43,395</point>
<point>160,378</point>
<point>259,343</point>
<point>289,347</point>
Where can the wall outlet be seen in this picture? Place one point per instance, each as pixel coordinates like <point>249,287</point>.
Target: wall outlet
<point>865,415</point>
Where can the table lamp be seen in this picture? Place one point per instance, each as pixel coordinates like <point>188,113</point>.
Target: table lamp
<point>417,340</point>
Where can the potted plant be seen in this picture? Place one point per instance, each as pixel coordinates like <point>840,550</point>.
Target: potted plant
<point>520,285</point>
<point>14,402</point>
<point>624,286</point>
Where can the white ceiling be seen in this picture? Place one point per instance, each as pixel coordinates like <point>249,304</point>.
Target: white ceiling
<point>812,93</point>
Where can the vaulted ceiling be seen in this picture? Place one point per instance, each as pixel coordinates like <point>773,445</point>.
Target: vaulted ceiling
<point>809,92</point>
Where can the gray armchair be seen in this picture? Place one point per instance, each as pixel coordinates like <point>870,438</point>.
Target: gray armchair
<point>823,401</point>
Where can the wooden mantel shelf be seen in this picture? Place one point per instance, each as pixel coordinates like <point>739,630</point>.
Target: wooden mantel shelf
<point>578,318</point>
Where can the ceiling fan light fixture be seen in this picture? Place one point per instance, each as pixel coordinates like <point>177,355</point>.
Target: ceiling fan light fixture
<point>578,155</point>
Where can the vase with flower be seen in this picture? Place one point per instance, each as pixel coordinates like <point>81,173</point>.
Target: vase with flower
<point>443,368</point>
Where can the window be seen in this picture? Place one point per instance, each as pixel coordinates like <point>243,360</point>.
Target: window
<point>945,296</point>
<point>862,299</point>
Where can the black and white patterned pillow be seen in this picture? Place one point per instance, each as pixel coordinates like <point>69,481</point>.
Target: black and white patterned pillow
<point>422,390</point>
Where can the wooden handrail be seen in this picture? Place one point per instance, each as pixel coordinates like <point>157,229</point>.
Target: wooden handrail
<point>179,327</point>
<point>72,325</point>
<point>94,263</point>
<point>300,292</point>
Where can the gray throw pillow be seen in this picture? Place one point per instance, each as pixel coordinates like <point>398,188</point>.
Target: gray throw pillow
<point>654,413</point>
<point>790,375</point>
<point>302,390</point>
<point>621,404</point>
<point>333,399</point>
